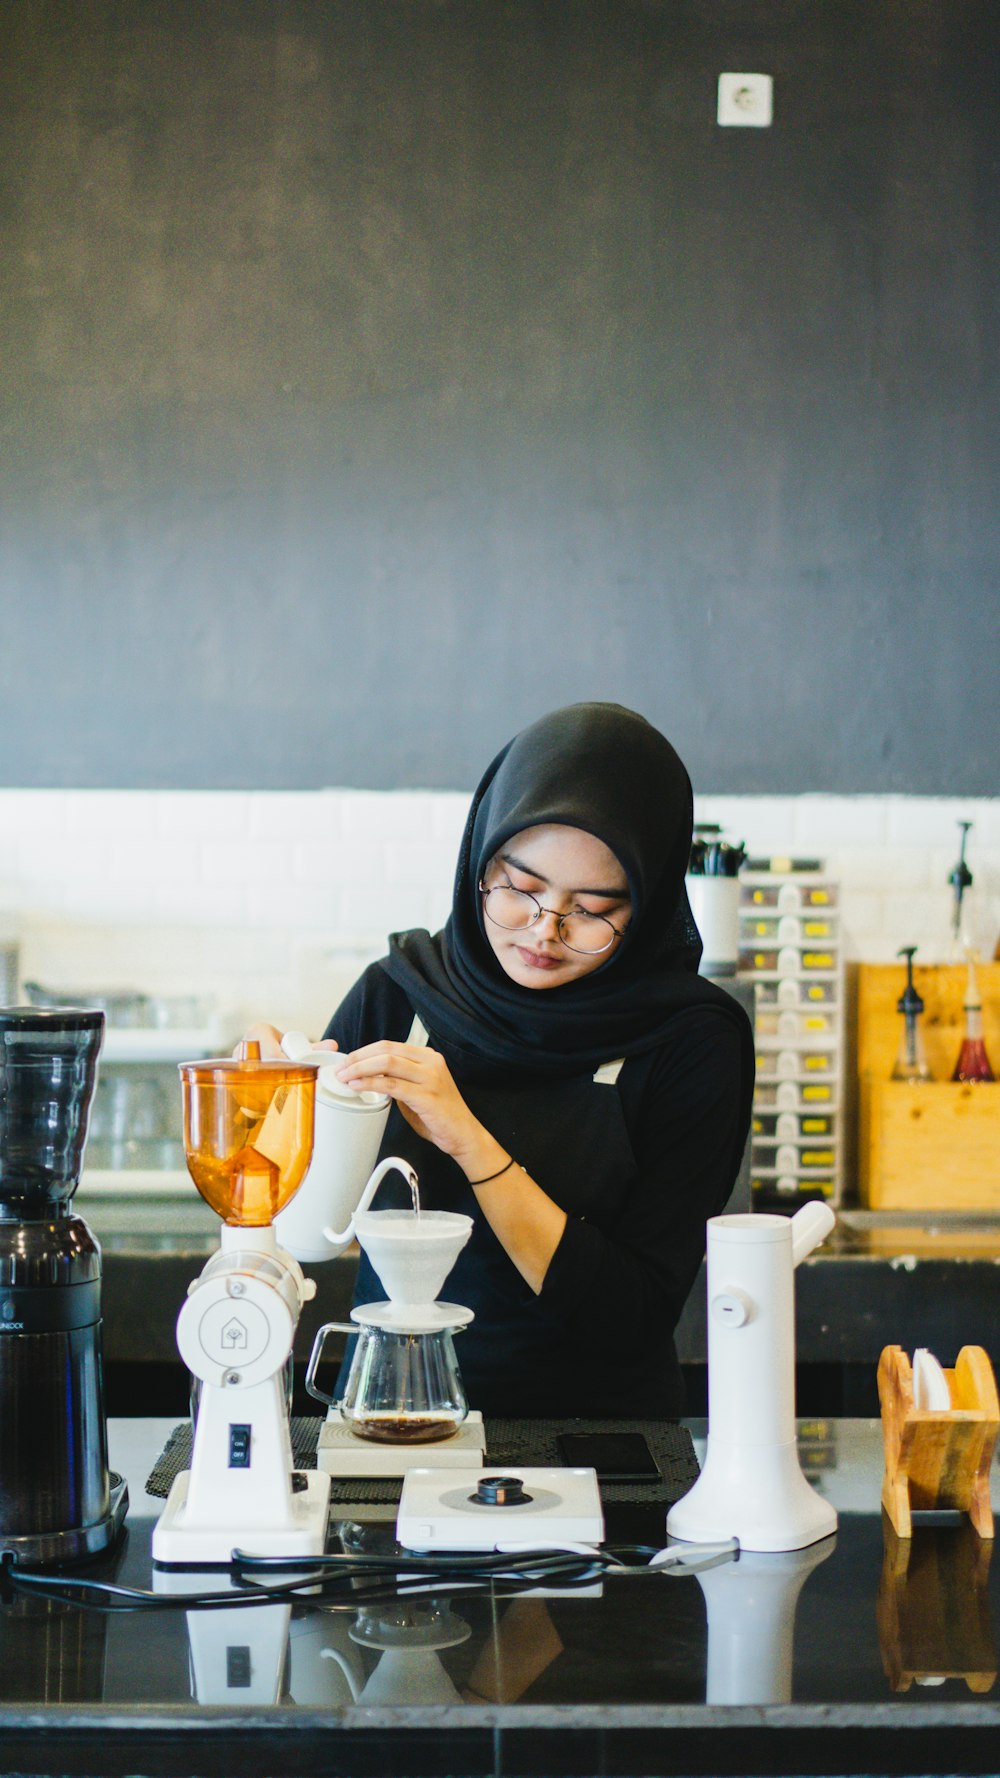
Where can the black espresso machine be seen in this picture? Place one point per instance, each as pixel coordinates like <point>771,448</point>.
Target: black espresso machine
<point>58,1500</point>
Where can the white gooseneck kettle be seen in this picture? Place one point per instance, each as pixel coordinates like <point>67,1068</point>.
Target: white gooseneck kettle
<point>342,1180</point>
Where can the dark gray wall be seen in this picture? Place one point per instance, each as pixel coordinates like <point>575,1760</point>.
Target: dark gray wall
<point>380,373</point>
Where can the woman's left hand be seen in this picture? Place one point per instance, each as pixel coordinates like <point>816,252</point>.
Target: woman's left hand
<point>420,1081</point>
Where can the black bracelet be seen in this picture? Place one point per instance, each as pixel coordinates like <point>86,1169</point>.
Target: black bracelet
<point>496,1175</point>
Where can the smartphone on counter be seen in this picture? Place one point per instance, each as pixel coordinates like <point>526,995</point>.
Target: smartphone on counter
<point>616,1456</point>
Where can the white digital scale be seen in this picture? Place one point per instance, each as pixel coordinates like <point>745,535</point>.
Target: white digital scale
<point>508,1509</point>
<point>340,1452</point>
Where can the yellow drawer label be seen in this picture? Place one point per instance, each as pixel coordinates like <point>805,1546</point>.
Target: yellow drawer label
<point>816,960</point>
<point>818,1064</point>
<point>816,929</point>
<point>814,1093</point>
<point>815,1126</point>
<point>817,1157</point>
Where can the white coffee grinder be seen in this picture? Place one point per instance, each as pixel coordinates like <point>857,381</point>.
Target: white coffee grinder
<point>248,1132</point>
<point>751,1486</point>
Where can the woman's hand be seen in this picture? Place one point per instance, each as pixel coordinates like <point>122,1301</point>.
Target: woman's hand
<point>420,1081</point>
<point>527,1223</point>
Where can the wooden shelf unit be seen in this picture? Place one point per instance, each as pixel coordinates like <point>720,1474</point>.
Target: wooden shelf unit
<point>933,1146</point>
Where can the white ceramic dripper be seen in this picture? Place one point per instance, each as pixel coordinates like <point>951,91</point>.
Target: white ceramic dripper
<point>751,1486</point>
<point>412,1255</point>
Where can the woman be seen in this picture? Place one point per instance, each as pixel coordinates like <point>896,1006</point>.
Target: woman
<point>570,948</point>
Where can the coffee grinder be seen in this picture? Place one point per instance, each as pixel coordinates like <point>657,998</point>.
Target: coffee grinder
<point>248,1133</point>
<point>752,1486</point>
<point>58,1500</point>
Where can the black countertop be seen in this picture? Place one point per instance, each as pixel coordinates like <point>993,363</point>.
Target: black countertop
<point>857,1655</point>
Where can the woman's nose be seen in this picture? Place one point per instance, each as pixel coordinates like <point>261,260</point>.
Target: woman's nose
<point>548,914</point>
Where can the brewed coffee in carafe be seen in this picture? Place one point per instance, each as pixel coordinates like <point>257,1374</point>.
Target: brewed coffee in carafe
<point>404,1387</point>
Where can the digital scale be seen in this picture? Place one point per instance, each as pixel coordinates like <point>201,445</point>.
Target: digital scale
<point>516,1509</point>
<point>340,1452</point>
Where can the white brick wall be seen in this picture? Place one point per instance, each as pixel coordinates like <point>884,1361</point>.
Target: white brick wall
<point>272,901</point>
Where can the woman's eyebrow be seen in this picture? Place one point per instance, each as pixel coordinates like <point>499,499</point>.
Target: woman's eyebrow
<point>603,894</point>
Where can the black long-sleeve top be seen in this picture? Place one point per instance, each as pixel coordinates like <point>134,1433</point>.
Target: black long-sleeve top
<point>638,1165</point>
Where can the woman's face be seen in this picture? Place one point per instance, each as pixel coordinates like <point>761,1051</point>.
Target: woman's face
<point>570,872</point>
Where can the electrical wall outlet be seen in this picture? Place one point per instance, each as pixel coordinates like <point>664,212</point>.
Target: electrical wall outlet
<point>746,100</point>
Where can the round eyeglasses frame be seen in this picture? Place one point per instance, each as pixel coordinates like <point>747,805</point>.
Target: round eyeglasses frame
<point>563,919</point>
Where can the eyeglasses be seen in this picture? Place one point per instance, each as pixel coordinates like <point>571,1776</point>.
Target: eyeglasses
<point>514,909</point>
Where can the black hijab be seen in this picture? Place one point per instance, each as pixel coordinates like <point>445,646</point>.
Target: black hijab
<point>607,770</point>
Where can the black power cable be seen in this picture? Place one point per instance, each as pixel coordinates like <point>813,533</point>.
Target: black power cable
<point>361,1579</point>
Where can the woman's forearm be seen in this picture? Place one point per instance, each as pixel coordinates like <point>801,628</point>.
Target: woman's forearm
<point>527,1223</point>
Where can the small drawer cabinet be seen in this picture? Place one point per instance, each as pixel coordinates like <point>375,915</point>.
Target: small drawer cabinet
<point>790,950</point>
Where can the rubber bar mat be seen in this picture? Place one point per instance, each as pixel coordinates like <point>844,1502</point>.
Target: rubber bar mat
<point>515,1442</point>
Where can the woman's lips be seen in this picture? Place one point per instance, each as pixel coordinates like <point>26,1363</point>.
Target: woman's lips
<point>537,959</point>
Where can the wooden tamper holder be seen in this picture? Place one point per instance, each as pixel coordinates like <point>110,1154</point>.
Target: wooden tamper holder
<point>938,1458</point>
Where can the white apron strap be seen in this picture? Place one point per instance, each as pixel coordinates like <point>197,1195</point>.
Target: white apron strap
<point>607,1074</point>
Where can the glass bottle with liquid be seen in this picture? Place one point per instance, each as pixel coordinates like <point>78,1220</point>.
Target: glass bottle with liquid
<point>911,1059</point>
<point>973,1063</point>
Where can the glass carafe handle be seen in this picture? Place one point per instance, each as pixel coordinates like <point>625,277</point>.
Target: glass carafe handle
<point>312,1387</point>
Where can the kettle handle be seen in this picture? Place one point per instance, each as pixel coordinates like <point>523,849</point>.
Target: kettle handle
<point>315,1355</point>
<point>384,1167</point>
